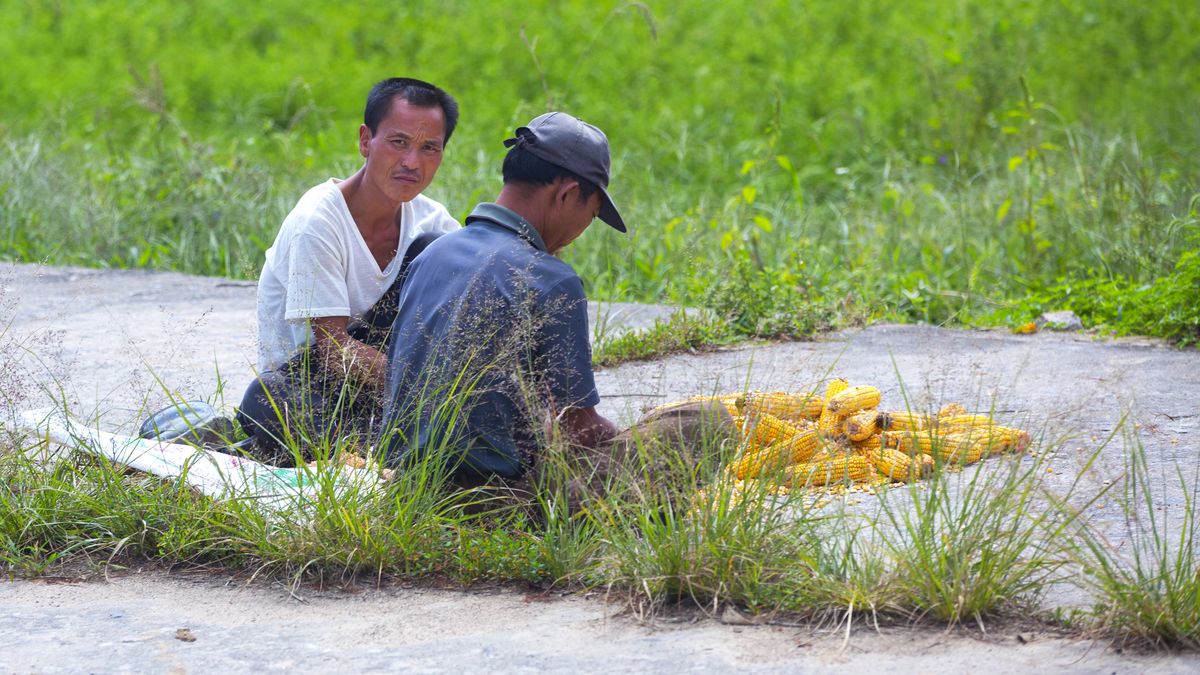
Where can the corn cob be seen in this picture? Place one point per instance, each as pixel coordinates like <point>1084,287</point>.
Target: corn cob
<point>957,423</point>
<point>900,420</point>
<point>900,466</point>
<point>914,442</point>
<point>1016,440</point>
<point>998,439</point>
<point>872,442</point>
<point>724,399</point>
<point>852,400</point>
<point>836,386</point>
<point>951,409</point>
<point>797,448</point>
<point>830,424</point>
<point>764,430</point>
<point>828,419</point>
<point>959,449</point>
<point>833,470</point>
<point>861,424</point>
<point>802,406</point>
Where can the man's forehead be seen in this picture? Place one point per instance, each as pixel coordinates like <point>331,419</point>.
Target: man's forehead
<point>413,121</point>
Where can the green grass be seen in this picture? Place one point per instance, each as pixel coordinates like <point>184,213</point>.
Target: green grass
<point>936,162</point>
<point>679,333</point>
<point>965,546</point>
<point>1147,590</point>
<point>971,544</point>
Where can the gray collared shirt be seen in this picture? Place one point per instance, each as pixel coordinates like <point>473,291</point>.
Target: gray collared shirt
<point>491,330</point>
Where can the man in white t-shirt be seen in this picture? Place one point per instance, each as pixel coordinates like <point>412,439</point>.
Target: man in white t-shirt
<point>327,293</point>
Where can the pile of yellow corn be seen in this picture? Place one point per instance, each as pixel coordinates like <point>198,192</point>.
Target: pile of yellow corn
<point>842,438</point>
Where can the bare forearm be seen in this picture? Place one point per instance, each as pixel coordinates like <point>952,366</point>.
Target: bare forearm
<point>358,362</point>
<point>340,353</point>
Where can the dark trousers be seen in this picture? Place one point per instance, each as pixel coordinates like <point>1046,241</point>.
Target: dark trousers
<point>303,406</point>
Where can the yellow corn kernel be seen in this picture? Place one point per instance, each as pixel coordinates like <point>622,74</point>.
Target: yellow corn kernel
<point>836,469</point>
<point>785,406</point>
<point>900,420</point>
<point>853,399</point>
<point>862,424</point>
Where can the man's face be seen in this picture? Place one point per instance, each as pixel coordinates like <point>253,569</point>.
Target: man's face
<point>574,216</point>
<point>405,151</point>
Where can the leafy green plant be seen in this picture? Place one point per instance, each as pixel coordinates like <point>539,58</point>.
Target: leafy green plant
<point>775,302</point>
<point>1165,307</point>
<point>680,333</point>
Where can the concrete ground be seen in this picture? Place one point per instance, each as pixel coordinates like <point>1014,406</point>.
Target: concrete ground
<point>113,343</point>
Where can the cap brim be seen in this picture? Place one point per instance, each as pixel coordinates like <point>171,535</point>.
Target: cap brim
<point>609,213</point>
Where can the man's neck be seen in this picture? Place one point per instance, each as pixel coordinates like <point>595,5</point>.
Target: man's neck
<point>519,201</point>
<point>372,210</point>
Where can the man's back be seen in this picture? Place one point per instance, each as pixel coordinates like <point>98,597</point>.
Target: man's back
<point>490,329</point>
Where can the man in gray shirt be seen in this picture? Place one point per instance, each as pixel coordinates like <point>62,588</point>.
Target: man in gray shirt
<point>490,356</point>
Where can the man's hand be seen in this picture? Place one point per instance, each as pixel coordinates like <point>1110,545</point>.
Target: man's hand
<point>340,353</point>
<point>586,427</point>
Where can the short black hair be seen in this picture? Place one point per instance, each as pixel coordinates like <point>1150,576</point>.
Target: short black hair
<point>522,166</point>
<point>414,92</point>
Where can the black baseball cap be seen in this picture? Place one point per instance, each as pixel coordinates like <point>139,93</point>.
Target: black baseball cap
<point>572,144</point>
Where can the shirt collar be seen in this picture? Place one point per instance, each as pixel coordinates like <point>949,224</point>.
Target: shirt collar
<point>509,220</point>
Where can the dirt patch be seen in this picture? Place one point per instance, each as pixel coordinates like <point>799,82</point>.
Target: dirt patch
<point>114,343</point>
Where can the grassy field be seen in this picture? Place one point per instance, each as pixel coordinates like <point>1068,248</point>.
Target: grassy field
<point>829,162</point>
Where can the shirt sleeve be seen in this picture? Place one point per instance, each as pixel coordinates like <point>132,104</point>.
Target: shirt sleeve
<point>316,279</point>
<point>564,351</point>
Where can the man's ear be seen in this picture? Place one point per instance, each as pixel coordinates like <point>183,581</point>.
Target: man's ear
<point>364,140</point>
<point>566,189</point>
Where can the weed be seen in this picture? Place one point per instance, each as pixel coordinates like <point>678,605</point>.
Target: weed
<point>967,544</point>
<point>682,332</point>
<point>727,547</point>
<point>1147,591</point>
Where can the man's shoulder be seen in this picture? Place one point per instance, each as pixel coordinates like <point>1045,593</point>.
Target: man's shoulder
<point>322,202</point>
<point>324,192</point>
<point>494,251</point>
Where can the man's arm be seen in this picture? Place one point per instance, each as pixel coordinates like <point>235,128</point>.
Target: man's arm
<point>340,353</point>
<point>586,427</point>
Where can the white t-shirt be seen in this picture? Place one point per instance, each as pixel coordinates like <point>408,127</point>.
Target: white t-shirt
<point>320,266</point>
